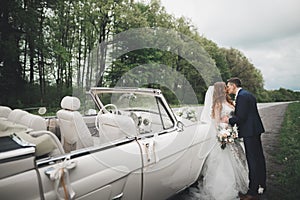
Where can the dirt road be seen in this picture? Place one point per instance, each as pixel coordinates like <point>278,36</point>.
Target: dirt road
<point>272,119</point>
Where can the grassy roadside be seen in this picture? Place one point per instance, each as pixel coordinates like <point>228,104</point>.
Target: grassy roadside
<point>289,153</point>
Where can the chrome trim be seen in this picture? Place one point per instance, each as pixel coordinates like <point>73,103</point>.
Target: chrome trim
<point>79,152</point>
<point>119,196</point>
<point>150,135</point>
<point>48,171</point>
<point>149,91</point>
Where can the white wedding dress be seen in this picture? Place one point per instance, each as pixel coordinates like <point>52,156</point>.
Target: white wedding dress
<point>225,171</point>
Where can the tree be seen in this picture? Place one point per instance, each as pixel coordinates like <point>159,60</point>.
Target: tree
<point>49,46</point>
<point>218,55</point>
<point>10,65</point>
<point>21,25</point>
<point>239,66</point>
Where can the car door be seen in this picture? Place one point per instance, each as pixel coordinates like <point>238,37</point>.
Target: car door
<point>168,151</point>
<point>168,155</point>
<point>110,171</point>
<point>18,177</point>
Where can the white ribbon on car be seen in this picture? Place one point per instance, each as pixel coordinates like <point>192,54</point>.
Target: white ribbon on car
<point>150,149</point>
<point>60,176</point>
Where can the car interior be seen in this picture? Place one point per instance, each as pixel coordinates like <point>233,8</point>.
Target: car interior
<point>71,130</point>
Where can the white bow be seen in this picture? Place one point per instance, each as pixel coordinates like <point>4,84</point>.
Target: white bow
<point>60,176</point>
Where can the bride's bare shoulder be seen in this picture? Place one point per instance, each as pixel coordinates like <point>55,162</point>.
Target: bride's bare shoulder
<point>229,104</point>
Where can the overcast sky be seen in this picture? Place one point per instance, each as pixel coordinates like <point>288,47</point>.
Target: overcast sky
<point>266,31</point>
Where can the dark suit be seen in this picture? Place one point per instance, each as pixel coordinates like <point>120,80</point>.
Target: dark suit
<point>250,128</point>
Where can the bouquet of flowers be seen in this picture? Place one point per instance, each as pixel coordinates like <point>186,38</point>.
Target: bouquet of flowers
<point>227,134</point>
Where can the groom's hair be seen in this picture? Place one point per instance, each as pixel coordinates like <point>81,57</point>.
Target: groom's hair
<point>236,81</point>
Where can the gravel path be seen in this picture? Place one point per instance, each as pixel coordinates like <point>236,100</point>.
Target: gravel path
<point>272,118</point>
<point>272,115</point>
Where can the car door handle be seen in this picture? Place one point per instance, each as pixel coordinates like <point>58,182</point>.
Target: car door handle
<point>48,171</point>
<point>119,196</point>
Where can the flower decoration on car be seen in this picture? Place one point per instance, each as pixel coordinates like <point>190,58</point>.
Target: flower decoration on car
<point>187,113</point>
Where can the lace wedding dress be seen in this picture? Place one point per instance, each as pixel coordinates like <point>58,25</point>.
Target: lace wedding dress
<point>225,171</point>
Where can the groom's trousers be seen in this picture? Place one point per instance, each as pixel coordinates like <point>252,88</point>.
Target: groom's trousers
<point>256,163</point>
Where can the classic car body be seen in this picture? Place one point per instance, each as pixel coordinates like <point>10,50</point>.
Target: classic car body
<point>130,146</point>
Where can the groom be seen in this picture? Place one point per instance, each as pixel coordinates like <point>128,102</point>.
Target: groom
<point>250,128</point>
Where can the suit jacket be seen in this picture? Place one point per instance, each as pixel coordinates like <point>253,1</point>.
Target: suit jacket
<point>246,115</point>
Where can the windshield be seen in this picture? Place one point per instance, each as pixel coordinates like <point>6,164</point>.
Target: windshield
<point>129,101</point>
<point>147,110</point>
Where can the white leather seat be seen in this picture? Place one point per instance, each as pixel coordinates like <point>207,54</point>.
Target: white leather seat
<point>34,122</point>
<point>74,132</point>
<point>33,129</point>
<point>4,111</point>
<point>16,115</point>
<point>115,127</point>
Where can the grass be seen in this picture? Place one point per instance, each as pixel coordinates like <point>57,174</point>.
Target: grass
<point>289,153</point>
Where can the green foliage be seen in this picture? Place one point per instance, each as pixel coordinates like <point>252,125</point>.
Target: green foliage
<point>31,97</point>
<point>218,55</point>
<point>240,66</point>
<point>264,96</point>
<point>289,154</point>
<point>283,95</point>
<point>48,47</point>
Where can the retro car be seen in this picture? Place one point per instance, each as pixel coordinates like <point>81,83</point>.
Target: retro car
<point>126,144</point>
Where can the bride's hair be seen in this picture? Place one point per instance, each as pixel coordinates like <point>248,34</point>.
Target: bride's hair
<point>219,96</point>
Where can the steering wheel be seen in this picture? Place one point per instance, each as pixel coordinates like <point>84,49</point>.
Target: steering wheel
<point>104,110</point>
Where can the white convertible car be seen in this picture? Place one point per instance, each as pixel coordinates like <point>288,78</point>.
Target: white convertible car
<point>131,146</point>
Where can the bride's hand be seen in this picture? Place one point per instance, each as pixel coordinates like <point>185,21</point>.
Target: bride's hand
<point>225,119</point>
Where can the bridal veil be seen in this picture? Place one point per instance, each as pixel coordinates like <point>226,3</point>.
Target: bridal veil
<point>206,112</point>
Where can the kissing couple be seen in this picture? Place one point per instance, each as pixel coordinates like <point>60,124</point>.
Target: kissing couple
<point>235,167</point>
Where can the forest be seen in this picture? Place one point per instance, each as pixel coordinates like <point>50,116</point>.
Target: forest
<point>50,48</point>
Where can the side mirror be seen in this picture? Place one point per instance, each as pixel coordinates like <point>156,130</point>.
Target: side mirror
<point>180,126</point>
<point>42,110</point>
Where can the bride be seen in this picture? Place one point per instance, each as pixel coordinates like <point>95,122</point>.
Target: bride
<point>225,171</point>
